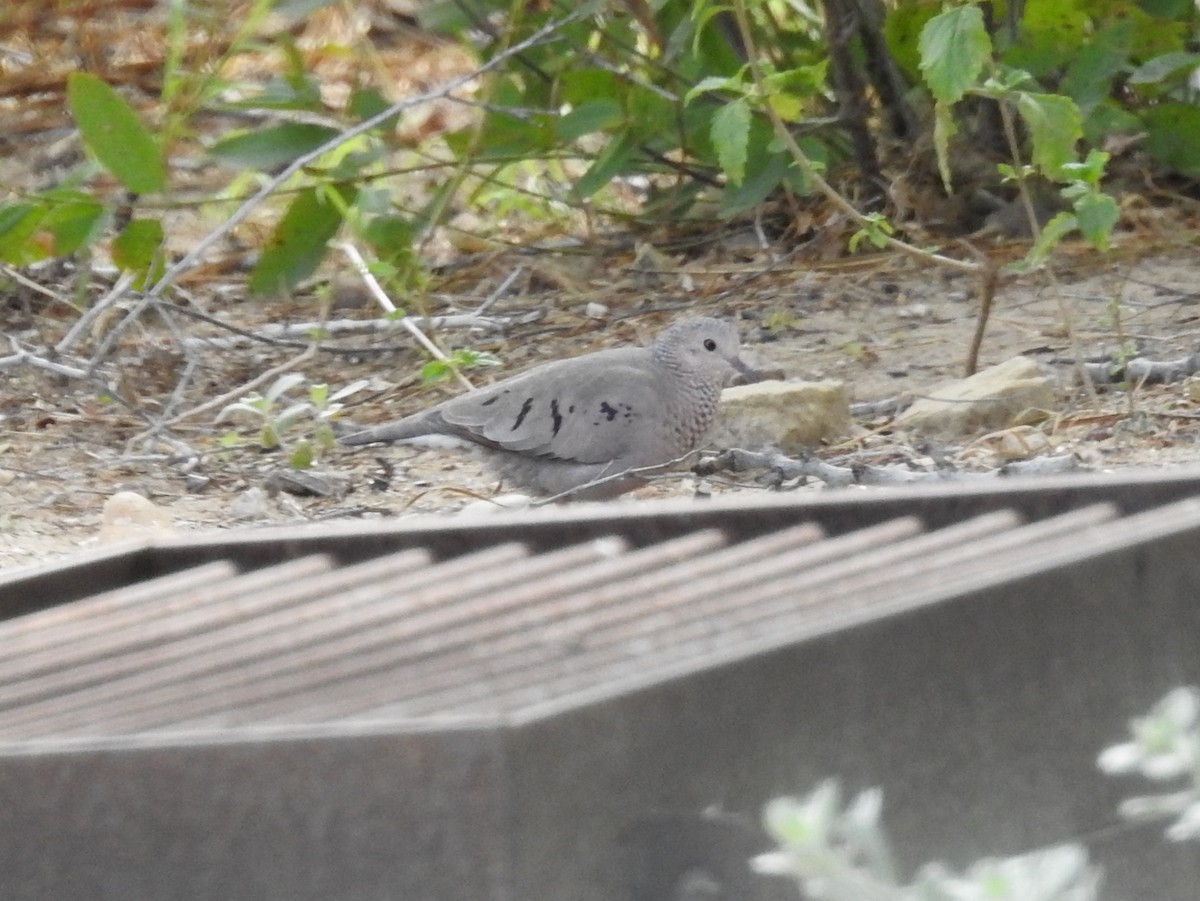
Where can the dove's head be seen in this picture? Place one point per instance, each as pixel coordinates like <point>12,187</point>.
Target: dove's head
<point>702,349</point>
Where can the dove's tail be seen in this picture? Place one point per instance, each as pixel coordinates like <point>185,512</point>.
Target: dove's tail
<point>410,427</point>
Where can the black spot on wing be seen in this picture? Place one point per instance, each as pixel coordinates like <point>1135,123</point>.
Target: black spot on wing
<point>525,408</point>
<point>609,412</point>
<point>556,416</point>
<point>495,397</point>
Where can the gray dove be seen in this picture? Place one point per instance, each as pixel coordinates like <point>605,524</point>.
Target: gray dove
<point>562,425</point>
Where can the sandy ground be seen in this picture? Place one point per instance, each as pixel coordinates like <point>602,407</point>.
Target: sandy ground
<point>881,325</point>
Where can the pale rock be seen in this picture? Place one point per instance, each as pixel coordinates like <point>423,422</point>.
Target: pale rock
<point>249,504</point>
<point>788,416</point>
<point>129,515</point>
<point>989,400</point>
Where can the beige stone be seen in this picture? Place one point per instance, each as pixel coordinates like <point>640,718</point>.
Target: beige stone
<point>129,515</point>
<point>790,416</point>
<point>992,399</point>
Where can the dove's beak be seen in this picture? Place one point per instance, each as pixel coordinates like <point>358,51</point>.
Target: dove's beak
<point>745,374</point>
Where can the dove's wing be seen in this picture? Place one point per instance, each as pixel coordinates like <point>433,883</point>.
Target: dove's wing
<point>600,408</point>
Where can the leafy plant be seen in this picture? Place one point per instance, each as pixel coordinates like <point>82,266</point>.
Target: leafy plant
<point>441,370</point>
<point>876,230</point>
<point>664,94</point>
<point>67,219</point>
<point>1164,746</point>
<point>277,416</point>
<point>842,854</point>
<point>837,853</point>
<point>678,98</point>
<point>958,60</point>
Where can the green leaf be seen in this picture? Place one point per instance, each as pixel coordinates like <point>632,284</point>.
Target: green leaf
<point>902,31</point>
<point>818,154</point>
<point>302,455</point>
<point>652,118</point>
<point>74,219</point>
<point>273,147</point>
<point>440,370</point>
<point>1090,74</point>
<point>595,115</point>
<point>876,229</point>
<point>1174,135</point>
<point>283,385</point>
<point>713,83</point>
<point>390,235</point>
<point>437,371</point>
<point>474,359</point>
<point>318,394</point>
<point>954,49</point>
<point>367,102</point>
<point>505,134</point>
<point>1109,118</point>
<point>392,238</point>
<point>803,81</point>
<point>730,134</point>
<point>1160,68</point>
<point>299,242</point>
<point>1053,31</point>
<point>1004,80</point>
<point>754,190</point>
<point>1153,36</point>
<point>612,159</point>
<point>1052,232</point>
<point>1165,9</point>
<point>1096,214</point>
<point>13,214</point>
<point>296,94</point>
<point>580,86</point>
<point>136,248</point>
<point>1091,170</point>
<point>19,222</point>
<point>444,17</point>
<point>1054,127</point>
<point>944,129</point>
<point>112,132</point>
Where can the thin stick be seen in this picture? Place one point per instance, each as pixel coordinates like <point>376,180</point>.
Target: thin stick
<point>21,357</point>
<point>84,323</point>
<point>500,291</point>
<point>384,301</point>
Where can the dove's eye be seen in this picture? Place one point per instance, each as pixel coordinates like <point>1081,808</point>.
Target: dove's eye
<point>710,344</point>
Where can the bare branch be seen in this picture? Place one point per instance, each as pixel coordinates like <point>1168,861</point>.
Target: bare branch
<point>360,266</point>
<point>22,357</point>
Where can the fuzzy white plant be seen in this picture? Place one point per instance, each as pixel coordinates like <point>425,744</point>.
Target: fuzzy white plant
<point>838,854</point>
<point>1164,745</point>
